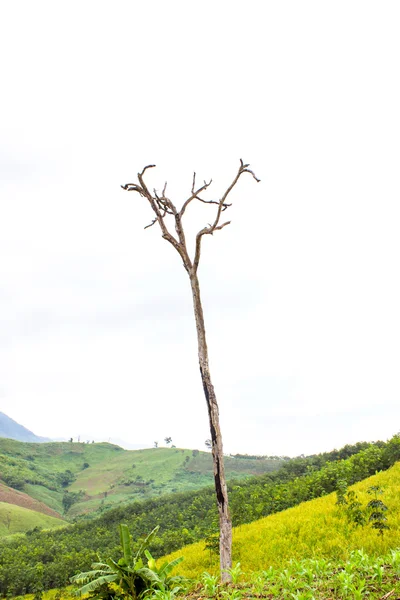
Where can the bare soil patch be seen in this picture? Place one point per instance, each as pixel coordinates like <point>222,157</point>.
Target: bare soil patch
<point>18,498</point>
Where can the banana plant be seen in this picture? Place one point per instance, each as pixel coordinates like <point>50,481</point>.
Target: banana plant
<point>165,581</point>
<point>129,575</point>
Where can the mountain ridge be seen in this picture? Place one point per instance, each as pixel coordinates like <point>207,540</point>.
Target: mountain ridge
<point>15,431</point>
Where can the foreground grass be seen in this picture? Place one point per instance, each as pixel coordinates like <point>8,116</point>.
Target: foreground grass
<point>361,576</point>
<point>311,529</point>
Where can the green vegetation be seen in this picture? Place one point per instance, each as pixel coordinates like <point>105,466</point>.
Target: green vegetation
<point>373,513</point>
<point>15,519</point>
<point>376,510</point>
<point>187,517</point>
<point>317,528</point>
<point>360,576</point>
<point>130,577</point>
<point>105,475</point>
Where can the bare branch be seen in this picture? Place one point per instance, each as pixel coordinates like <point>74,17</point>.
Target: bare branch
<point>198,248</point>
<point>207,230</point>
<point>242,169</point>
<point>171,206</point>
<point>222,205</point>
<point>133,187</point>
<point>163,206</point>
<point>195,194</point>
<point>221,226</point>
<point>159,206</point>
<point>251,172</point>
<point>151,224</point>
<point>142,183</point>
<point>145,169</point>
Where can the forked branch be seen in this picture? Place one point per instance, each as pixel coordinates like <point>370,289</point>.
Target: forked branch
<point>163,206</point>
<point>221,207</point>
<point>195,194</point>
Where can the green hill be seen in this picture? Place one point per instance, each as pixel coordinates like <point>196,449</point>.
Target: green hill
<point>188,517</point>
<point>16,519</point>
<point>78,478</point>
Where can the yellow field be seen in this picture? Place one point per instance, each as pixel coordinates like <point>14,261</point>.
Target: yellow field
<point>314,528</point>
<point>67,593</point>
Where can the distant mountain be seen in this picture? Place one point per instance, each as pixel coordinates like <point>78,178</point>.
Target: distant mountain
<point>13,430</point>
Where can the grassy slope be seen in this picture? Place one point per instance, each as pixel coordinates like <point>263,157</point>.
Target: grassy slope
<point>115,475</point>
<point>140,474</point>
<point>59,456</point>
<point>16,519</point>
<point>49,497</point>
<point>15,497</point>
<point>311,529</point>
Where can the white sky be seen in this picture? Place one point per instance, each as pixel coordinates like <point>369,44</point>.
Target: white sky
<point>301,291</point>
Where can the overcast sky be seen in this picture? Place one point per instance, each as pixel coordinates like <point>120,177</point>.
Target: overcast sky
<point>301,292</point>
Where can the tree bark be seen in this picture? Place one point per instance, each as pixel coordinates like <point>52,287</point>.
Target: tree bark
<point>225,524</point>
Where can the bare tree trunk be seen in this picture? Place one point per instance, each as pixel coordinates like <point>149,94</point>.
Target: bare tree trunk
<point>225,523</point>
<point>164,208</point>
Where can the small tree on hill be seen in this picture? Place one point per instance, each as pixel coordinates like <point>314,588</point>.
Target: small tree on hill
<point>165,211</point>
<point>7,519</point>
<point>377,508</point>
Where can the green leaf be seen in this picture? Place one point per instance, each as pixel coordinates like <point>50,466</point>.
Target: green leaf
<point>84,577</point>
<point>167,567</point>
<point>151,561</point>
<point>146,542</point>
<point>126,543</point>
<point>149,575</point>
<point>94,585</point>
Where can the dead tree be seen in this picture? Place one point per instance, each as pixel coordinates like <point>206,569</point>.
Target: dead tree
<point>165,211</point>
